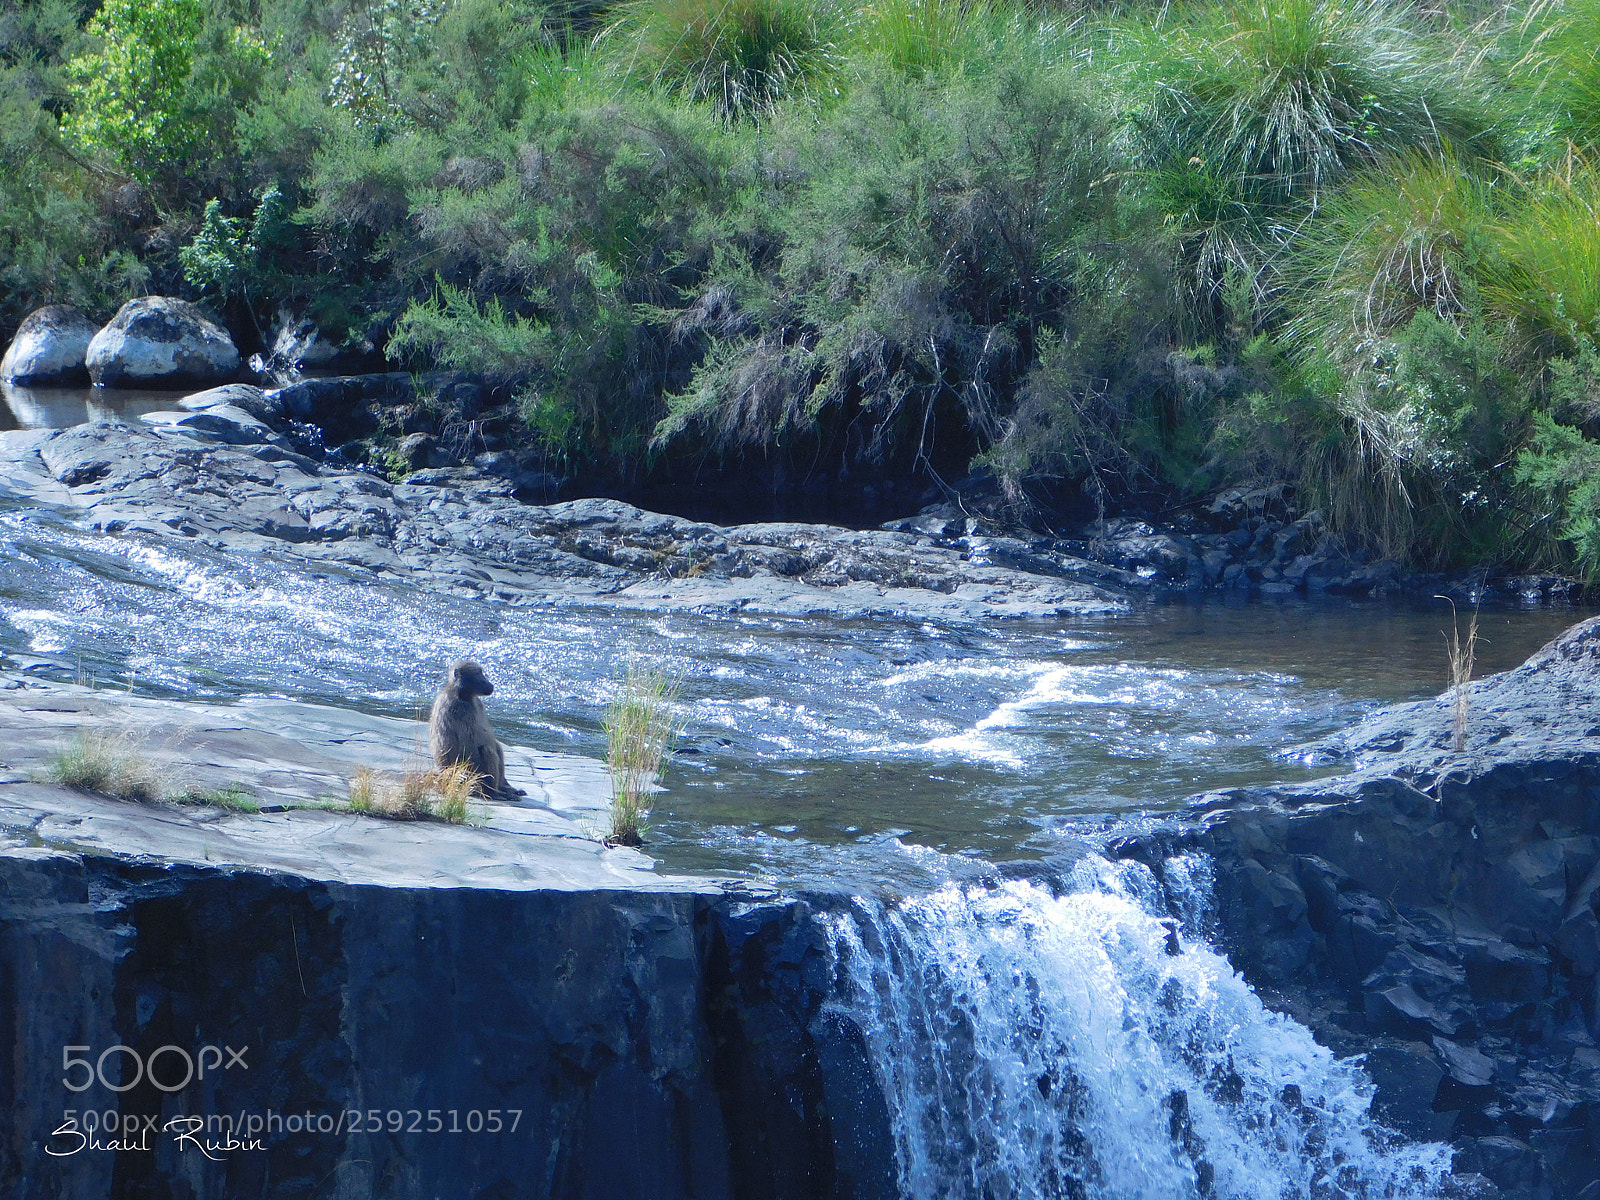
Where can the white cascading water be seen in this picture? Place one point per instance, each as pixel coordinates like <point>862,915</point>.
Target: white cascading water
<point>1083,1046</point>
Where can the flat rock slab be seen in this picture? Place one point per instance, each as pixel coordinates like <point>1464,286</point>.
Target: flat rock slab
<point>466,533</point>
<point>301,756</point>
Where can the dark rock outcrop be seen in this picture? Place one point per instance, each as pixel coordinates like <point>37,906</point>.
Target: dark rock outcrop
<point>419,1042</point>
<point>1439,911</point>
<point>51,347</point>
<point>342,406</point>
<point>160,341</point>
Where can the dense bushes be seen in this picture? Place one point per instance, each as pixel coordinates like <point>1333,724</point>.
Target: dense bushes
<point>1349,246</point>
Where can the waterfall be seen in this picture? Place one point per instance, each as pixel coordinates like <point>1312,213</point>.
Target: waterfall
<point>1089,1045</point>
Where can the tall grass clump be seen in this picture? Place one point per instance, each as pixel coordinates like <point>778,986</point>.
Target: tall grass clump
<point>1409,235</point>
<point>107,764</point>
<point>1545,280</point>
<point>741,55</point>
<point>919,36</point>
<point>1247,110</point>
<point>1561,64</point>
<point>640,728</point>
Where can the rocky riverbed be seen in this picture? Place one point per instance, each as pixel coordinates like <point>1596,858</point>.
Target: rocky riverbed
<point>222,475</point>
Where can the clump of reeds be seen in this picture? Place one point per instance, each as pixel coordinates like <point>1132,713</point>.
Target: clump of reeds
<point>640,728</point>
<point>1461,653</point>
<point>443,794</point>
<point>108,764</point>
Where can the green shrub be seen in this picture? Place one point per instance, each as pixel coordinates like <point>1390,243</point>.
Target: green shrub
<point>1561,468</point>
<point>449,328</point>
<point>933,232</point>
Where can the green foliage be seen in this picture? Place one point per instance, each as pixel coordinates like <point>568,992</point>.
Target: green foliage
<point>450,328</point>
<point>1545,282</point>
<point>164,85</point>
<point>1158,250</point>
<point>1561,65</point>
<point>224,257</point>
<point>234,797</point>
<point>1562,468</point>
<point>742,55</point>
<point>1248,109</point>
<point>940,228</point>
<point>920,36</point>
<point>1409,236</point>
<point>378,42</point>
<point>1560,463</point>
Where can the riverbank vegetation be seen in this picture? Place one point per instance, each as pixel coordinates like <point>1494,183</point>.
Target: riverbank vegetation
<point>1100,251</point>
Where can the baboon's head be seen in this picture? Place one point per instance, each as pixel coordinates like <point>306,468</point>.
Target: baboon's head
<point>468,679</point>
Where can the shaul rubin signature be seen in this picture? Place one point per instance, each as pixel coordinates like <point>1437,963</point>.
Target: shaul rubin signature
<point>187,1129</point>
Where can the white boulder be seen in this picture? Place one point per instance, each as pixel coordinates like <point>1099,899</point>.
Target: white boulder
<point>161,341</point>
<point>51,346</point>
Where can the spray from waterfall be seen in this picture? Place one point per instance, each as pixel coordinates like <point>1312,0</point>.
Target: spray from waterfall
<point>1088,1045</point>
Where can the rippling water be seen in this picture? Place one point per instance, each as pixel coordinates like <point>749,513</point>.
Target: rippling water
<point>879,736</point>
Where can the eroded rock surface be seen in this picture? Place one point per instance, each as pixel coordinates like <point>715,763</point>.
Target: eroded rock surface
<point>223,475</point>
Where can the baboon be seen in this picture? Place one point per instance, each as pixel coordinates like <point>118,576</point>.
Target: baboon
<point>458,730</point>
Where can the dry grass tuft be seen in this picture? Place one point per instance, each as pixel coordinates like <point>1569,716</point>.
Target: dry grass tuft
<point>640,727</point>
<point>1461,654</point>
<point>444,794</point>
<point>108,764</point>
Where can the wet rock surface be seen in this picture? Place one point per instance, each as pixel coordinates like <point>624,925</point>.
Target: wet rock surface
<point>224,475</point>
<point>1437,910</point>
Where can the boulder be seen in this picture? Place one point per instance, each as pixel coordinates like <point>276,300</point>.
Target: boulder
<point>51,346</point>
<point>161,341</point>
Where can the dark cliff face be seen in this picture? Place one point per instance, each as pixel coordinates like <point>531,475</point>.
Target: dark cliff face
<point>1437,911</point>
<point>627,1044</point>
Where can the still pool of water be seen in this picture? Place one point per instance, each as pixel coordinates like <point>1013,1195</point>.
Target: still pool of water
<point>59,407</point>
<point>813,747</point>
